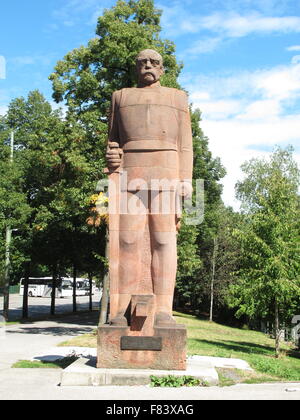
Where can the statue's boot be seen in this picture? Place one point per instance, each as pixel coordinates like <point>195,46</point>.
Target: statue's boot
<point>163,316</point>
<point>163,319</point>
<point>120,320</point>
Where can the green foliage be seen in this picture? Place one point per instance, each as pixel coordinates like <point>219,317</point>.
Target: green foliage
<point>195,243</point>
<point>56,173</point>
<point>88,76</point>
<point>175,381</point>
<point>268,279</point>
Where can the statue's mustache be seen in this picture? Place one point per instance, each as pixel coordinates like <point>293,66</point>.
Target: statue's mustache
<point>148,72</point>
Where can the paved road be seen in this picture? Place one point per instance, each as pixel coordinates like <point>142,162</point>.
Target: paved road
<point>39,307</point>
<point>25,341</point>
<point>37,384</point>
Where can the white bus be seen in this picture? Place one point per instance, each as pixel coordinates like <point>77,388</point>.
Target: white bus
<point>82,287</point>
<point>42,287</point>
<point>39,287</point>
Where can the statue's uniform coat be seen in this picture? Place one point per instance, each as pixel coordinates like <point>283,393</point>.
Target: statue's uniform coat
<point>153,119</point>
<point>153,128</point>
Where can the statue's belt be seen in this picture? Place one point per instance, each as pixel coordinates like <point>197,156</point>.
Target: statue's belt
<point>149,144</point>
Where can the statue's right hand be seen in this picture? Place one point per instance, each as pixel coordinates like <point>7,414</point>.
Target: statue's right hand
<point>114,155</point>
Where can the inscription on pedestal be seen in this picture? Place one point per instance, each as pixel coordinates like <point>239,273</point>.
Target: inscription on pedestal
<point>141,343</point>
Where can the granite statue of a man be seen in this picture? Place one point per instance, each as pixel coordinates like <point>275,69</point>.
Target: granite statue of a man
<point>150,139</point>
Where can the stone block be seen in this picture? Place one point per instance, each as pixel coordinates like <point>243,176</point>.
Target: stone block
<point>169,355</point>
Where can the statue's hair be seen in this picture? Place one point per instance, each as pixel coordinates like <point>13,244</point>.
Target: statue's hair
<point>148,51</point>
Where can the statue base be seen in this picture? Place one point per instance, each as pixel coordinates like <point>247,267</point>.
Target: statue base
<point>165,350</point>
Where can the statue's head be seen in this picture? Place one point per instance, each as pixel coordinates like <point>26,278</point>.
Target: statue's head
<point>149,64</point>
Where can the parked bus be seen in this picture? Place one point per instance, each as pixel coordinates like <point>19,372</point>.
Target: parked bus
<point>40,287</point>
<point>82,287</point>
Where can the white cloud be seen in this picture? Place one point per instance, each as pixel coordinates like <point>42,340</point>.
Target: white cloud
<point>176,20</point>
<point>281,82</point>
<point>218,109</point>
<point>24,60</point>
<point>261,110</point>
<point>295,59</point>
<point>239,26</point>
<point>3,109</point>
<point>235,141</point>
<point>200,95</point>
<point>204,46</point>
<point>248,116</point>
<point>293,48</point>
<point>84,11</point>
<point>2,67</point>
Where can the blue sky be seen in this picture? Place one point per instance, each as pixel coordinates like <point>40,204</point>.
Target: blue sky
<point>241,65</point>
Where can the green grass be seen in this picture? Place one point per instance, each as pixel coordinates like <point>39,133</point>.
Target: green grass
<point>6,324</point>
<point>211,339</point>
<point>36,364</point>
<point>85,340</point>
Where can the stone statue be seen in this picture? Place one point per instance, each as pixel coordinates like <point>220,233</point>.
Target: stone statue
<point>152,129</point>
<point>150,141</point>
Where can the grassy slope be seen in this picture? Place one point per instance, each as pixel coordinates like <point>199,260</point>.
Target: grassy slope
<point>211,339</point>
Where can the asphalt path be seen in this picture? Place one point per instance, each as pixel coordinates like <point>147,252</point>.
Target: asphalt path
<point>40,307</point>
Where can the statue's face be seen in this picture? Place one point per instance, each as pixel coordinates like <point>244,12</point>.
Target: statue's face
<point>149,68</point>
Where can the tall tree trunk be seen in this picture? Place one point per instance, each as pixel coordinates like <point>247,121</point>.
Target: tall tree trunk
<point>105,290</point>
<point>212,284</point>
<point>53,292</point>
<point>74,288</point>
<point>277,330</point>
<point>25,291</point>
<point>91,292</point>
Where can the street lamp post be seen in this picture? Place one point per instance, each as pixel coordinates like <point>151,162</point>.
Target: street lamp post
<point>7,249</point>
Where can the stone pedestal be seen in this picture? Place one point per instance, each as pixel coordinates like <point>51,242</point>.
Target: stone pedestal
<point>164,350</point>
<point>142,345</point>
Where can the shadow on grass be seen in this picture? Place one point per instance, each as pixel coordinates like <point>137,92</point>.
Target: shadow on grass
<point>58,364</point>
<point>242,347</point>
<point>293,353</point>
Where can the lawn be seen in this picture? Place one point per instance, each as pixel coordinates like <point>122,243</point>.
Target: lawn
<point>211,339</point>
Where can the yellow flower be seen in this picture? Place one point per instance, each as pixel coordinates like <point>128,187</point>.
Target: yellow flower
<point>99,210</point>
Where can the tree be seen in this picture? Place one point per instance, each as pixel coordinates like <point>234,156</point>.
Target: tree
<point>268,281</point>
<point>194,284</point>
<point>87,76</point>
<point>13,207</point>
<point>57,177</point>
<point>223,261</point>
